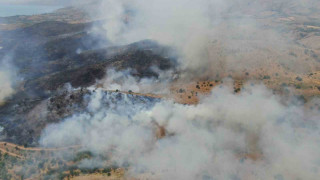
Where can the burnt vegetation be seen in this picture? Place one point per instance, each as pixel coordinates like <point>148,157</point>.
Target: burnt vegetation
<point>51,54</point>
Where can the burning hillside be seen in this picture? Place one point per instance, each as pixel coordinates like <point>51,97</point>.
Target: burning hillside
<point>161,90</point>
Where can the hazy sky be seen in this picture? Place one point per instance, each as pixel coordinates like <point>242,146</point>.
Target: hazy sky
<point>45,2</point>
<point>35,2</point>
<point>19,9</point>
<point>29,7</point>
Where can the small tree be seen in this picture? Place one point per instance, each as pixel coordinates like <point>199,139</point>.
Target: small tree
<point>298,86</point>
<point>237,90</point>
<point>266,77</point>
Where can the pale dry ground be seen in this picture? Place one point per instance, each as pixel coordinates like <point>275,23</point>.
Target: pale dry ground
<point>190,93</point>
<point>11,154</point>
<point>11,145</point>
<point>21,152</point>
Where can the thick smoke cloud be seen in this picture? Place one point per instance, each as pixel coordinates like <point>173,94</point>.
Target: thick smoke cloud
<point>209,35</point>
<point>184,25</point>
<point>251,135</point>
<point>226,136</point>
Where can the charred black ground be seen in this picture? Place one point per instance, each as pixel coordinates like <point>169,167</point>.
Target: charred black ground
<point>50,54</point>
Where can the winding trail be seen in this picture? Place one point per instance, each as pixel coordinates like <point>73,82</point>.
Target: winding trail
<point>11,154</point>
<point>39,148</point>
<point>5,145</point>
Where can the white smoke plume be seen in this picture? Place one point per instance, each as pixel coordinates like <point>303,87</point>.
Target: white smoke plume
<point>184,25</point>
<point>209,35</point>
<point>124,81</point>
<point>251,135</point>
<point>7,80</point>
<point>226,136</point>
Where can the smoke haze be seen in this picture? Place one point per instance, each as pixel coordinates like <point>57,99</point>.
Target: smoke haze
<point>124,81</point>
<point>251,135</point>
<point>254,134</point>
<point>209,35</point>
<point>225,136</point>
<point>7,79</point>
